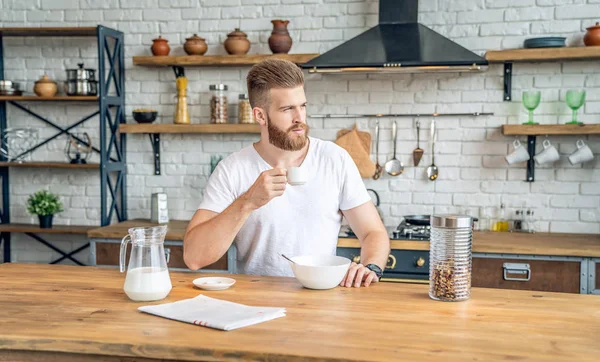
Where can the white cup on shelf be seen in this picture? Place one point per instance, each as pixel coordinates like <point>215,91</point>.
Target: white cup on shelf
<point>583,153</point>
<point>520,154</point>
<point>549,154</point>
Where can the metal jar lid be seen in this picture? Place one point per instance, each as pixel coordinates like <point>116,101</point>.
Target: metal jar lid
<point>213,87</point>
<point>451,221</point>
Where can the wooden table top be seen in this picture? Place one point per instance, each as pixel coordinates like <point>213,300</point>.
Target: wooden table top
<point>76,311</point>
<point>555,244</point>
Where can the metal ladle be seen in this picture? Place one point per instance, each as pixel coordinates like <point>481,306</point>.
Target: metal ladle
<point>394,167</point>
<point>432,171</point>
<point>378,168</point>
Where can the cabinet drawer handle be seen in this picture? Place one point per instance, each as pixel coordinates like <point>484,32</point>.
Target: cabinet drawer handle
<point>518,269</point>
<point>168,254</point>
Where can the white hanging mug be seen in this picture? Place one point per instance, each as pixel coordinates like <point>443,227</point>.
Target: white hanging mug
<point>520,154</point>
<point>549,154</point>
<point>583,153</point>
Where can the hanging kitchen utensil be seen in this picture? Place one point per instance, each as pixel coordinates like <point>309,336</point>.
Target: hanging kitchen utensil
<point>432,171</point>
<point>365,137</point>
<point>394,167</point>
<point>378,168</point>
<point>352,143</point>
<point>418,152</point>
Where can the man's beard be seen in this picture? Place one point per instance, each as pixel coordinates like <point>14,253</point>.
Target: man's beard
<point>286,140</point>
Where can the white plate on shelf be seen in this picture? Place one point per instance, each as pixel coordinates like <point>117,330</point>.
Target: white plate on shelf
<point>214,283</point>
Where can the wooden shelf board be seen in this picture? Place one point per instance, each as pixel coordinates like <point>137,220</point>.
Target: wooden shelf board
<point>56,229</point>
<point>175,232</point>
<point>217,60</point>
<point>55,98</point>
<point>542,54</point>
<point>49,165</point>
<point>549,129</point>
<point>190,128</point>
<point>50,31</point>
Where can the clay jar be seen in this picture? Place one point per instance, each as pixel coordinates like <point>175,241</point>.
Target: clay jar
<point>592,37</point>
<point>160,46</point>
<point>280,41</point>
<point>237,42</point>
<point>195,45</point>
<point>45,87</point>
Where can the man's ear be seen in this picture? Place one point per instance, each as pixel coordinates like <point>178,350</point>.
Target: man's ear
<point>260,115</point>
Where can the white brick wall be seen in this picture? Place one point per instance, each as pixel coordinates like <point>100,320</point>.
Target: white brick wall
<point>474,177</point>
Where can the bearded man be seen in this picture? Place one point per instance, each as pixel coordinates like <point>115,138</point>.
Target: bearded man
<point>249,202</point>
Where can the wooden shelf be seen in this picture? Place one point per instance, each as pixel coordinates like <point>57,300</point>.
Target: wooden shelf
<point>217,60</point>
<point>50,165</point>
<point>56,229</point>
<point>190,128</point>
<point>56,31</point>
<point>549,129</point>
<point>175,232</point>
<point>51,99</point>
<point>542,54</point>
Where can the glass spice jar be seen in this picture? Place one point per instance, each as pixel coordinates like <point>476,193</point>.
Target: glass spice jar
<point>450,257</point>
<point>218,103</point>
<point>245,110</point>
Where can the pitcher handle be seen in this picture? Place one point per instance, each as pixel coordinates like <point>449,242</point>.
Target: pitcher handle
<point>123,253</point>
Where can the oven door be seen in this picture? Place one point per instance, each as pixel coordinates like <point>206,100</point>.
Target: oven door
<point>410,266</point>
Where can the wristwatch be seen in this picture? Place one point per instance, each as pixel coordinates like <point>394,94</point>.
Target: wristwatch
<point>375,268</point>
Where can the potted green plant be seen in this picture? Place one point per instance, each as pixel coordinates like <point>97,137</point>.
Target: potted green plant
<point>44,204</point>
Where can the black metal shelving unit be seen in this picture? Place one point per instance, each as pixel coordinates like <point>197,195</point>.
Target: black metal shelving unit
<point>111,111</point>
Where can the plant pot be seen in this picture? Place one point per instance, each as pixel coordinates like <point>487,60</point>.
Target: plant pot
<point>45,221</point>
<point>237,42</point>
<point>160,47</point>
<point>592,37</point>
<point>280,41</point>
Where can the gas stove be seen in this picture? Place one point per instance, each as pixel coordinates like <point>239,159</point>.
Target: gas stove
<point>407,231</point>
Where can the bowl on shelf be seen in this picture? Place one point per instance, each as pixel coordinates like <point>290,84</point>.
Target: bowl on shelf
<point>144,115</point>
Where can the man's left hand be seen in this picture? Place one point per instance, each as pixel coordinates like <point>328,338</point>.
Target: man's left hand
<point>357,274</point>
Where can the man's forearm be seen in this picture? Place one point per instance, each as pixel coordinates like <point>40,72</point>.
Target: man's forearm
<point>375,249</point>
<point>205,243</point>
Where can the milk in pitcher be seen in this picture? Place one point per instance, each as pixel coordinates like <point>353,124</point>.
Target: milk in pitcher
<point>147,284</point>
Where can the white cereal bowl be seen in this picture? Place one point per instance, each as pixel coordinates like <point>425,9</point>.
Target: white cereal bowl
<point>320,271</point>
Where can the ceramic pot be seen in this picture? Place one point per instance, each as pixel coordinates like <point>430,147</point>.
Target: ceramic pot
<point>592,37</point>
<point>45,87</point>
<point>195,45</point>
<point>280,41</point>
<point>160,46</point>
<point>237,42</point>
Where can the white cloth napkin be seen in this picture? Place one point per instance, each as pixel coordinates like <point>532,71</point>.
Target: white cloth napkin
<point>214,313</point>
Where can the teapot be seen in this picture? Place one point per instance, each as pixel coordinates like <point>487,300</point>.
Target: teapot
<point>147,276</point>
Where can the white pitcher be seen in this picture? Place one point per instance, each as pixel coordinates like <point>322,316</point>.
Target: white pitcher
<point>147,274</point>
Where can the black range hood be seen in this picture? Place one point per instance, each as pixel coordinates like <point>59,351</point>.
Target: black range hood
<point>397,44</point>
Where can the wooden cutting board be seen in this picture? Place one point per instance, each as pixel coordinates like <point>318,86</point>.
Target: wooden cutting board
<point>365,137</point>
<point>352,142</point>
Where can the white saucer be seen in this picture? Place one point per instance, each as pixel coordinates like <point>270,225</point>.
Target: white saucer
<point>214,283</point>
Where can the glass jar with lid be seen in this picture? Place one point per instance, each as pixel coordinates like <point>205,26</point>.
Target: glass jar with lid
<point>245,110</point>
<point>450,258</point>
<point>218,103</point>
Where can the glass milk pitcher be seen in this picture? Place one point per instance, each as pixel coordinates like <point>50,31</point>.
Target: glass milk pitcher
<point>147,276</point>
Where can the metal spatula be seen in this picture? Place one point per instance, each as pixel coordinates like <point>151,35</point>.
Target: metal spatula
<point>418,152</point>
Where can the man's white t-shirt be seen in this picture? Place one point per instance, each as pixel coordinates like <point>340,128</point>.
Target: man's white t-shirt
<point>305,220</point>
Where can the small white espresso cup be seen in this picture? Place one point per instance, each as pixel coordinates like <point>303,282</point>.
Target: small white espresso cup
<point>549,154</point>
<point>297,176</point>
<point>520,154</point>
<point>583,153</point>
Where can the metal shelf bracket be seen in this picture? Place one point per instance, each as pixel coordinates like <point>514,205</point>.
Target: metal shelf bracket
<point>507,82</point>
<point>155,141</point>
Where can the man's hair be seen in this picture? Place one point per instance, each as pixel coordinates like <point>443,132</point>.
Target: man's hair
<point>268,74</point>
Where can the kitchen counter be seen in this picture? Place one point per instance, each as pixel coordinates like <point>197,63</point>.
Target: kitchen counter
<point>71,313</point>
<point>554,244</point>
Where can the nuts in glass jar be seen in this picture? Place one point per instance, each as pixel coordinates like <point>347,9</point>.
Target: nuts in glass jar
<point>245,110</point>
<point>218,104</point>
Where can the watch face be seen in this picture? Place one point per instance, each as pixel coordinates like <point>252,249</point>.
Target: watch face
<point>375,268</point>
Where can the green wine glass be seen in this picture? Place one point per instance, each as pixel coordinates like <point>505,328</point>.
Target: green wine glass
<point>531,100</point>
<point>575,99</point>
